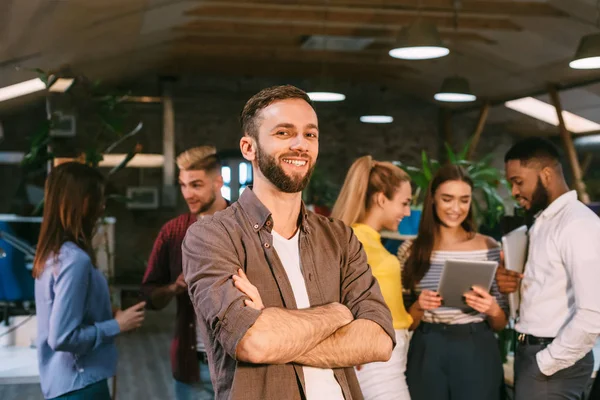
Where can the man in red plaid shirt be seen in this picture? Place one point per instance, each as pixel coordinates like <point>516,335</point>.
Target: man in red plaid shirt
<point>200,181</point>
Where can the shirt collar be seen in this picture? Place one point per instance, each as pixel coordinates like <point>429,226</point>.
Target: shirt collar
<point>558,204</point>
<point>260,216</point>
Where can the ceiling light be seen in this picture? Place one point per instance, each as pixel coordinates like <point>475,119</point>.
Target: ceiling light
<point>419,41</point>
<point>547,113</point>
<point>587,55</point>
<point>61,85</point>
<point>377,119</point>
<point>587,141</point>
<point>138,161</point>
<point>21,89</point>
<point>326,96</point>
<point>455,89</point>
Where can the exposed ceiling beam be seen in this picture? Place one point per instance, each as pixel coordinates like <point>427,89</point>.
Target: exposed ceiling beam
<point>249,29</point>
<point>268,52</point>
<point>496,8</point>
<point>242,66</point>
<point>275,13</point>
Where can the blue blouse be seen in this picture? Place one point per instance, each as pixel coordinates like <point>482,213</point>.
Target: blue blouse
<point>76,328</point>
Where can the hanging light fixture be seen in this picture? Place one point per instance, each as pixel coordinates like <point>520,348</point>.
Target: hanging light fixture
<point>419,41</point>
<point>455,89</point>
<point>322,94</point>
<point>587,55</point>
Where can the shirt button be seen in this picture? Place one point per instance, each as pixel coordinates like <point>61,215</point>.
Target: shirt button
<point>193,347</point>
<point>267,245</point>
<point>80,369</point>
<point>255,226</point>
<point>268,223</point>
<point>191,325</point>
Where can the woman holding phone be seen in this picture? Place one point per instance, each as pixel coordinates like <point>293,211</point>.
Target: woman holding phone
<point>453,352</point>
<point>76,327</point>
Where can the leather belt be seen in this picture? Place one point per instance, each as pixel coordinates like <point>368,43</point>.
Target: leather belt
<point>525,339</point>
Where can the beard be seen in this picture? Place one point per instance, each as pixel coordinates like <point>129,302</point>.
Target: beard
<point>539,199</point>
<point>267,164</point>
<point>205,206</point>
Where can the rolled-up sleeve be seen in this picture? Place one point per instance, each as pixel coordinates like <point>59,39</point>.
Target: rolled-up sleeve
<point>360,290</point>
<point>209,262</point>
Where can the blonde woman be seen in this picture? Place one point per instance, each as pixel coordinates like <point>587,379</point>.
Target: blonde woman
<point>376,196</point>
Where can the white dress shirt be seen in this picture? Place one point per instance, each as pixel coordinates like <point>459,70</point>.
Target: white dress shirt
<point>560,292</point>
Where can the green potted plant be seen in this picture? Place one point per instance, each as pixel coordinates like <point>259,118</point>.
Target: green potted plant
<point>107,116</point>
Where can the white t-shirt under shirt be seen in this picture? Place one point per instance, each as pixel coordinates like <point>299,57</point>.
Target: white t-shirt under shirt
<point>320,383</point>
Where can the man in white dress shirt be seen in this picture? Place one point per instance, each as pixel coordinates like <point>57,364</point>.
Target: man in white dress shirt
<point>559,316</point>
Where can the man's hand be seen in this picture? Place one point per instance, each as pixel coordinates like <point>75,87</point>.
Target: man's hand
<point>508,281</point>
<point>179,286</point>
<point>242,283</point>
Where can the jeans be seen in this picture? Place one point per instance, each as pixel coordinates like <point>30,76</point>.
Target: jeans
<point>202,390</point>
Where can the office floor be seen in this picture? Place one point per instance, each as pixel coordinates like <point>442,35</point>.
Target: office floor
<point>144,371</point>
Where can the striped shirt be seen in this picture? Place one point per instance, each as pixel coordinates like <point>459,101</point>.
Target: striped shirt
<point>431,280</point>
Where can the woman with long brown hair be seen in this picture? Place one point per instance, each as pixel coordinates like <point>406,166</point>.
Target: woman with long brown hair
<point>376,196</point>
<point>76,327</point>
<point>453,353</point>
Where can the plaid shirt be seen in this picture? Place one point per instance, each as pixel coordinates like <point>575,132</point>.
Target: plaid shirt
<point>164,266</point>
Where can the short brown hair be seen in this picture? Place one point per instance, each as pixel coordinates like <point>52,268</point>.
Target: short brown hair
<point>265,98</point>
<point>202,158</point>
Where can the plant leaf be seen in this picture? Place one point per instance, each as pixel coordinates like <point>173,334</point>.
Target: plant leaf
<point>126,160</point>
<point>426,167</point>
<point>463,154</point>
<point>450,153</point>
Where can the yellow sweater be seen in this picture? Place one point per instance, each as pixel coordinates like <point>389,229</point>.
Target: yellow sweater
<point>386,269</point>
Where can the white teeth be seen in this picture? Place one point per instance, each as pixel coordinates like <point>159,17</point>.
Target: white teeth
<point>297,163</point>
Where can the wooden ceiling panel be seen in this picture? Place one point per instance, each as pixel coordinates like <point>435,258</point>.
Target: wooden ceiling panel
<point>249,29</point>
<point>286,53</point>
<point>275,13</point>
<point>476,7</point>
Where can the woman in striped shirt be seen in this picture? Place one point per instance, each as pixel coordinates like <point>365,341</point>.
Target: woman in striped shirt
<point>453,353</point>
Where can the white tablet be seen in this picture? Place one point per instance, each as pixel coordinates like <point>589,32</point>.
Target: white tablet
<point>458,276</point>
<point>514,246</point>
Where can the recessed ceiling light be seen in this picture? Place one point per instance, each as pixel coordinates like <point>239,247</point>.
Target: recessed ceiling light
<point>546,112</point>
<point>326,96</point>
<point>377,119</point>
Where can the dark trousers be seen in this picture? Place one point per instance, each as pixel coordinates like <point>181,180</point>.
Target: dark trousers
<point>95,391</point>
<point>566,384</point>
<point>454,362</point>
